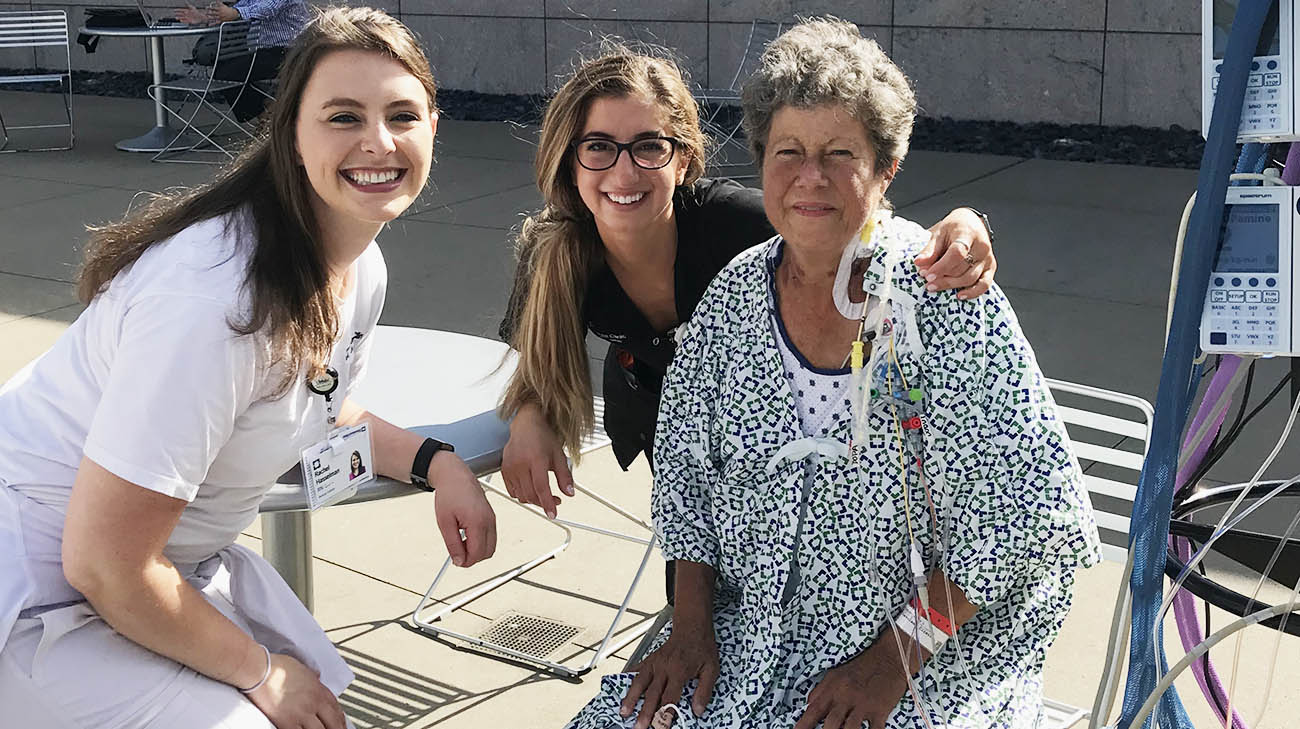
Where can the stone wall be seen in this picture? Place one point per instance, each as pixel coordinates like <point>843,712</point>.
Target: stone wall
<point>1087,61</point>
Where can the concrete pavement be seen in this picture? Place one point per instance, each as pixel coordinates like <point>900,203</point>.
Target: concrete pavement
<point>1084,253</point>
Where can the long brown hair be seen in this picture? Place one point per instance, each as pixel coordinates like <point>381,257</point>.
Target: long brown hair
<point>287,278</point>
<point>559,247</point>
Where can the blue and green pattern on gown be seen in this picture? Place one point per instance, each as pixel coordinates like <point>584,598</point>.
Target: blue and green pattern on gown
<point>1005,484</point>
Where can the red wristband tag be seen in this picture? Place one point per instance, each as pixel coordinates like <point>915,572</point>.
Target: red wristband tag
<point>936,619</point>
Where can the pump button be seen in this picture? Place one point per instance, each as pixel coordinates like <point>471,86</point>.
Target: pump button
<point>1254,65</point>
<point>1236,282</point>
<point>1218,68</point>
<point>1270,282</point>
<point>1272,65</point>
<point>1254,281</point>
<point>1218,338</point>
<point>1218,280</point>
<point>1271,297</point>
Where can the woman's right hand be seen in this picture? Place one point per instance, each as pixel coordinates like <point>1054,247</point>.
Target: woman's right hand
<point>532,452</point>
<point>691,651</point>
<point>294,697</point>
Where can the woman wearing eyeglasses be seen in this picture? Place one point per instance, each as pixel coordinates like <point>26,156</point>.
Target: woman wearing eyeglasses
<point>630,237</point>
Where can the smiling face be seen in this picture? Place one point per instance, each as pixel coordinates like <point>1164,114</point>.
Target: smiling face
<point>365,139</point>
<point>820,183</point>
<point>626,199</point>
<point>356,460</point>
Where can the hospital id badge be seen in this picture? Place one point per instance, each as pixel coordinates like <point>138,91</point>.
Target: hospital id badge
<point>333,468</point>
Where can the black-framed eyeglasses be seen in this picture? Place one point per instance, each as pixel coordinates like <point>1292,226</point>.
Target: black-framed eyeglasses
<point>648,153</point>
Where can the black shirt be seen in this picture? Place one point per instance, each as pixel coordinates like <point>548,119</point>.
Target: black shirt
<point>716,220</point>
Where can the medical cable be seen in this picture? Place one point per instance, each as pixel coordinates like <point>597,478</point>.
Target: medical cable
<point>858,396</point>
<point>1254,597</point>
<point>1221,449</point>
<point>918,568</point>
<point>1168,680</point>
<point>1220,529</point>
<point>1251,166</point>
<point>1155,486</point>
<point>1223,384</point>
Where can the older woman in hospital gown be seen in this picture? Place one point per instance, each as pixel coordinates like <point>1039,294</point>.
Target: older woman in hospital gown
<point>836,515</point>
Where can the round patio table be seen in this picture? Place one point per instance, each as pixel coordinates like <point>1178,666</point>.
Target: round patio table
<point>156,139</point>
<point>439,384</point>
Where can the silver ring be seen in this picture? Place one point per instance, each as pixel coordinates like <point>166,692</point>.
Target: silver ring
<point>962,243</point>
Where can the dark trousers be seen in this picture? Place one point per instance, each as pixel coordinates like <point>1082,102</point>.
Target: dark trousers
<point>670,567</point>
<point>246,102</point>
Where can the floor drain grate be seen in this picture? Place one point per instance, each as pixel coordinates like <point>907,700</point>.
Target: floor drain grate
<point>529,633</point>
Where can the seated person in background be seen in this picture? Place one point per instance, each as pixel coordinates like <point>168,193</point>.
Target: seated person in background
<point>873,505</point>
<point>275,24</point>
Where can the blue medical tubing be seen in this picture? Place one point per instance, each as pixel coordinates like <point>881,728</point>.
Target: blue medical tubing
<point>1151,507</point>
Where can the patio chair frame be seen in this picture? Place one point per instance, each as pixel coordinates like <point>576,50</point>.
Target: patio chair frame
<point>608,644</point>
<point>235,39</point>
<point>38,29</point>
<point>761,32</point>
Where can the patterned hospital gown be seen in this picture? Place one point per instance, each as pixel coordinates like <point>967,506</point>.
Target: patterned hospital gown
<point>1005,485</point>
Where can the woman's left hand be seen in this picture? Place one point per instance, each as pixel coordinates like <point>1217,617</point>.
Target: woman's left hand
<point>959,255</point>
<point>461,508</point>
<point>866,688</point>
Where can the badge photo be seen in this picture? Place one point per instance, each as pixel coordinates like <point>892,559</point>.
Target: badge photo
<point>334,468</point>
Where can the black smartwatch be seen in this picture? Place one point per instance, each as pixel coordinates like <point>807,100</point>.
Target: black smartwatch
<point>984,219</point>
<point>420,466</point>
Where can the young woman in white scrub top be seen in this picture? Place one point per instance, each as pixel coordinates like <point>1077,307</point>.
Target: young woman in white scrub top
<point>136,449</point>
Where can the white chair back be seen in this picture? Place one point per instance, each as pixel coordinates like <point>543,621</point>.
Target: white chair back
<point>30,29</point>
<point>1110,432</point>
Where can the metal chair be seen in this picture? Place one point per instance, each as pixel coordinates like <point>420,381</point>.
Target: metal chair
<point>234,40</point>
<point>38,29</point>
<point>1109,432</point>
<point>608,645</point>
<point>725,126</point>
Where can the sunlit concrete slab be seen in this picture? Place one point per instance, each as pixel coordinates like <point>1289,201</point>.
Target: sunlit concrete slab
<point>24,339</point>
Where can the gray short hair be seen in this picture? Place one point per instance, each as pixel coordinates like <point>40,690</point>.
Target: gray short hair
<point>826,61</point>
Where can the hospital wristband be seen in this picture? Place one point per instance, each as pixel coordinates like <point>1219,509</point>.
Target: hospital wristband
<point>924,633</point>
<point>265,674</point>
<point>936,618</point>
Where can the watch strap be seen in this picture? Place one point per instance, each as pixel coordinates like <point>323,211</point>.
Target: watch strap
<point>984,218</point>
<point>423,457</point>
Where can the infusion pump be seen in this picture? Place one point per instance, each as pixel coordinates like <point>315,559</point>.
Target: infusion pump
<point>1268,113</point>
<point>1251,307</point>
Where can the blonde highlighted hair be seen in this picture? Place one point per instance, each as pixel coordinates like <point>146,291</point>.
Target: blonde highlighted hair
<point>558,248</point>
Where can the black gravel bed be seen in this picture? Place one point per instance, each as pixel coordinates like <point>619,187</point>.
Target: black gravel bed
<point>1148,146</point>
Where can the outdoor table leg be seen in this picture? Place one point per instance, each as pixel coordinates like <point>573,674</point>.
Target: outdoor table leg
<point>156,139</point>
<point>286,544</point>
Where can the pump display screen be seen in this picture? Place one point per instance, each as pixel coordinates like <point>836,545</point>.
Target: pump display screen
<point>1270,39</point>
<point>1249,235</point>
